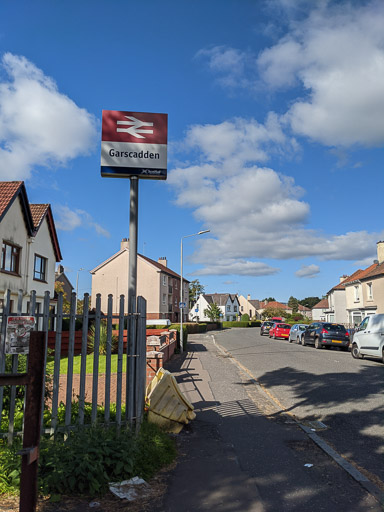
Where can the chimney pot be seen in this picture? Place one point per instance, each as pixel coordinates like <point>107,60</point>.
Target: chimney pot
<point>380,251</point>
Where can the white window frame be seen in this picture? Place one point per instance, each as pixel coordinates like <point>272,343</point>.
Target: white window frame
<point>164,280</point>
<point>357,293</point>
<point>369,291</point>
<point>164,298</point>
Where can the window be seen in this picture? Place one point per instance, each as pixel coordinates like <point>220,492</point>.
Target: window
<point>164,298</point>
<point>242,308</point>
<point>40,268</point>
<point>10,258</point>
<point>164,280</point>
<point>228,308</point>
<point>369,291</point>
<point>235,309</point>
<point>357,294</point>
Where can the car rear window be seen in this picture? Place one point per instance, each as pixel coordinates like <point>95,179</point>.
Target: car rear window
<point>283,326</point>
<point>302,327</point>
<point>334,327</point>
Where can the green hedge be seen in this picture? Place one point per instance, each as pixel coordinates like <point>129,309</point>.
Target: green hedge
<point>226,325</point>
<point>255,323</point>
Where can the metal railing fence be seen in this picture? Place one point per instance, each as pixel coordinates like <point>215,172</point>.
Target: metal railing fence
<point>68,403</point>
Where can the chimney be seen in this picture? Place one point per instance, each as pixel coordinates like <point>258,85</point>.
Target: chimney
<point>341,278</point>
<point>248,297</point>
<point>163,261</point>
<point>380,252</point>
<point>124,244</point>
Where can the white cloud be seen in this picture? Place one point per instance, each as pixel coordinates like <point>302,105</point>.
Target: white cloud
<point>39,126</point>
<point>68,220</point>
<point>308,271</point>
<point>237,267</point>
<point>337,55</point>
<point>252,211</point>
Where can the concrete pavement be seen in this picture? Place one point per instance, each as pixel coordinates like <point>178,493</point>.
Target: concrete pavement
<point>242,454</point>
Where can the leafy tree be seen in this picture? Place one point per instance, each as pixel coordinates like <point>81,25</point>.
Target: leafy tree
<point>293,303</point>
<point>59,288</point>
<point>309,302</point>
<point>195,289</point>
<point>269,299</point>
<point>271,312</point>
<point>213,312</point>
<point>245,317</point>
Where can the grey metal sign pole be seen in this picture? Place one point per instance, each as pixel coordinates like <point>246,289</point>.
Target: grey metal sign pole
<point>133,222</point>
<point>132,294</point>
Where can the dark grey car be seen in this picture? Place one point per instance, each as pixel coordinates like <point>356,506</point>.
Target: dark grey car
<point>326,334</point>
<point>265,327</point>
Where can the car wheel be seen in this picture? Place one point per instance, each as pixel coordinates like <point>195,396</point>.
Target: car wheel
<point>317,343</point>
<point>303,341</point>
<point>355,351</point>
<point>382,356</point>
<point>274,336</point>
<point>289,339</point>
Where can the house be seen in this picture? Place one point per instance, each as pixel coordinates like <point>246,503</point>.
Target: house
<point>30,247</point>
<point>303,310</point>
<point>275,305</point>
<point>318,311</point>
<point>60,277</point>
<point>228,304</point>
<point>365,293</point>
<point>249,306</point>
<point>157,283</point>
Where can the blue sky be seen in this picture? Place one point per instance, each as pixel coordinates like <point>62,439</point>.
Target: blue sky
<point>275,133</point>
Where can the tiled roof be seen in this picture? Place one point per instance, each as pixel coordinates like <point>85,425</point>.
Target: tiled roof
<point>359,274</point>
<point>8,189</point>
<point>323,304</point>
<point>38,211</point>
<point>303,308</point>
<point>273,304</point>
<point>376,271</point>
<point>255,303</point>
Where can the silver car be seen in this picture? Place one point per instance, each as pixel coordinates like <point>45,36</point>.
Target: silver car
<point>296,332</point>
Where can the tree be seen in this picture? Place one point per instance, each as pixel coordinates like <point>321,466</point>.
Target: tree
<point>309,302</point>
<point>195,289</point>
<point>293,303</point>
<point>269,299</point>
<point>213,312</point>
<point>59,288</point>
<point>271,312</point>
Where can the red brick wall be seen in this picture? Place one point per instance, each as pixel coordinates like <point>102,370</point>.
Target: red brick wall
<point>154,362</point>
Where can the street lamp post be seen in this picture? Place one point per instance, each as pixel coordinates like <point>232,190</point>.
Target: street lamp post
<point>77,286</point>
<point>181,305</point>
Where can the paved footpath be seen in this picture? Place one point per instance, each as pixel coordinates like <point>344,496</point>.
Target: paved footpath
<point>241,454</point>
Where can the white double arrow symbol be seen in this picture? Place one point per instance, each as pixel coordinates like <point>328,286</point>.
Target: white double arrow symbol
<point>135,128</point>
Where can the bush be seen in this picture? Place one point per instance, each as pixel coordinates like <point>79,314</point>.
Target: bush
<point>245,317</point>
<point>88,458</point>
<point>103,339</point>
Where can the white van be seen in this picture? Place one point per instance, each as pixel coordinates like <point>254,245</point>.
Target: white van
<point>368,339</point>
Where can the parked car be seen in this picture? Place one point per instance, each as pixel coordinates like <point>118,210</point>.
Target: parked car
<point>326,334</point>
<point>368,339</point>
<point>296,332</point>
<point>265,327</point>
<point>279,330</point>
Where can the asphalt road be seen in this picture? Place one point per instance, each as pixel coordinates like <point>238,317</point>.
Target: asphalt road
<point>325,385</point>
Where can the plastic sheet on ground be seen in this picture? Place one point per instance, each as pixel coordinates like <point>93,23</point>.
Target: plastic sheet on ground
<point>166,404</point>
<point>129,489</point>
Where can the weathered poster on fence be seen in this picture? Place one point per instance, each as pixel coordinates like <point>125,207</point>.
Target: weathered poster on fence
<point>18,334</point>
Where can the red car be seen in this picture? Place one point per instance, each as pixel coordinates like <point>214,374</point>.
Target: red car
<point>279,331</point>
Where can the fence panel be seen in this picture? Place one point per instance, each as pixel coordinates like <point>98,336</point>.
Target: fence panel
<point>102,337</point>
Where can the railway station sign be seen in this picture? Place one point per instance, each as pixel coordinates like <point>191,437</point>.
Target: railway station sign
<point>134,144</point>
